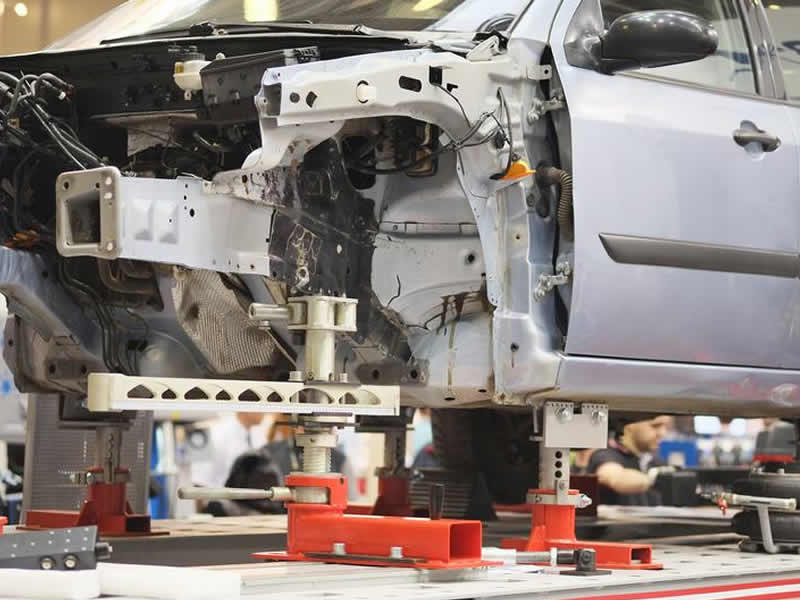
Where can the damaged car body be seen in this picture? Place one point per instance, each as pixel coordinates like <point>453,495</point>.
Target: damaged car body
<point>469,178</point>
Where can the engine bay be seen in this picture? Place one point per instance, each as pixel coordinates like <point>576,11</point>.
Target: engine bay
<point>195,177</point>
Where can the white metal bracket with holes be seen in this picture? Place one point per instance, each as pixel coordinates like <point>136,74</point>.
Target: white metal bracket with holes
<point>159,220</point>
<point>566,428</point>
<point>112,392</point>
<point>540,72</point>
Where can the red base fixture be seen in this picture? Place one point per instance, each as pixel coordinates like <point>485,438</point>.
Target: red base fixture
<point>773,458</point>
<point>393,498</point>
<point>3,523</point>
<point>324,533</point>
<point>553,526</point>
<point>106,506</point>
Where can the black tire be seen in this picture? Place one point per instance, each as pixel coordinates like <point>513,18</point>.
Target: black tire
<point>772,485</point>
<point>494,443</point>
<point>785,526</point>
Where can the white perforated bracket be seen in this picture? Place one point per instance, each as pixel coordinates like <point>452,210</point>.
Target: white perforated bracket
<point>102,214</point>
<point>112,392</point>
<point>568,425</point>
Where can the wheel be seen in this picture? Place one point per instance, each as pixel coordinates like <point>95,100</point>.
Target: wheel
<point>785,526</point>
<point>494,443</point>
<point>772,485</point>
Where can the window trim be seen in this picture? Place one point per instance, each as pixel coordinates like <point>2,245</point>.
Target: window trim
<point>709,89</point>
<point>754,36</point>
<point>771,49</point>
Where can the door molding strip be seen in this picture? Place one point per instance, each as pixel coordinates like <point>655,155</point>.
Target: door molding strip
<point>660,252</point>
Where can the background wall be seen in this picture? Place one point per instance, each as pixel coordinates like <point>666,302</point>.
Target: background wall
<point>29,25</point>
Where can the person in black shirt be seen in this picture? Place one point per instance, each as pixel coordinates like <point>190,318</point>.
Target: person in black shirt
<point>624,470</point>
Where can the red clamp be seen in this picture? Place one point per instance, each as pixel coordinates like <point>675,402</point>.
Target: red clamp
<point>553,526</point>
<point>106,506</point>
<point>322,532</point>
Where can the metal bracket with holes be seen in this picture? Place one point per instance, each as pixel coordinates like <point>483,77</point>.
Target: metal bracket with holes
<point>112,392</point>
<point>566,428</point>
<point>73,549</point>
<point>102,214</point>
<point>540,72</point>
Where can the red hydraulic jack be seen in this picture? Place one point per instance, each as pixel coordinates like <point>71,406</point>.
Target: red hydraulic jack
<point>322,532</point>
<point>106,502</point>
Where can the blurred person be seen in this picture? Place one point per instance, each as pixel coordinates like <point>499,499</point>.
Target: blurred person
<point>580,460</point>
<point>265,467</point>
<point>423,453</point>
<point>230,437</point>
<point>628,468</point>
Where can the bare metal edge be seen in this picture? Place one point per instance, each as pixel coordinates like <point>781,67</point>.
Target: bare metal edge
<point>659,252</point>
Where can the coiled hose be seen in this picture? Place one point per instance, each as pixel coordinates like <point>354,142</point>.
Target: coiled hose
<point>547,176</point>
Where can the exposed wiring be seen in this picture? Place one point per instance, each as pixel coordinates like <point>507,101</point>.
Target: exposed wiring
<point>454,97</point>
<point>466,140</point>
<point>509,135</point>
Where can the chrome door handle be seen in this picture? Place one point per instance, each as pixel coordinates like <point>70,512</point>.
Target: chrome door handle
<point>768,142</point>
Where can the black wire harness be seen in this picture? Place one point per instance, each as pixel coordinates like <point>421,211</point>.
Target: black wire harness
<point>466,141</point>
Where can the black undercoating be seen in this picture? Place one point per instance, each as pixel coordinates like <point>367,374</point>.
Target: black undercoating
<point>322,240</point>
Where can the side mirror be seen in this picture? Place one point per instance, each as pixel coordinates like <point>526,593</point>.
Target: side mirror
<point>655,38</point>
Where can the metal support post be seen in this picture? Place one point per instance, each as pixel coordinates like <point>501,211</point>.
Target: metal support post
<point>106,502</point>
<point>567,426</point>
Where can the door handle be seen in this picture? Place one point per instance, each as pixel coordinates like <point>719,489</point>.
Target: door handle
<point>768,142</point>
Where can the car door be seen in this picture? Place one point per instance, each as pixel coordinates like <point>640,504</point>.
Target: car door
<point>687,208</point>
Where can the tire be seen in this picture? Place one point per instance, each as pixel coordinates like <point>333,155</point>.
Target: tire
<point>771,485</point>
<point>785,526</point>
<point>493,443</point>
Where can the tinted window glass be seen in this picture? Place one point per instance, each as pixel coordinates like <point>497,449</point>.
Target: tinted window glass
<point>784,20</point>
<point>730,68</point>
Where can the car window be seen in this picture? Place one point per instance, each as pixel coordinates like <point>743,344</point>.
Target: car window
<point>729,68</point>
<point>784,20</point>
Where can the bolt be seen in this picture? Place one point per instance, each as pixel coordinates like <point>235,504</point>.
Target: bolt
<point>598,416</point>
<point>562,485</point>
<point>47,564</point>
<point>90,479</point>
<point>396,552</point>
<point>71,561</point>
<point>564,414</point>
<point>338,548</point>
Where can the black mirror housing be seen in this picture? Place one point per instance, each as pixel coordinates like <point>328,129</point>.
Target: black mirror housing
<point>655,38</point>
